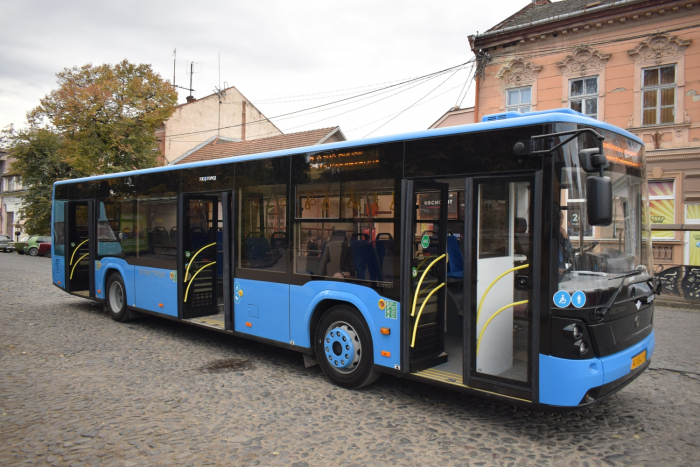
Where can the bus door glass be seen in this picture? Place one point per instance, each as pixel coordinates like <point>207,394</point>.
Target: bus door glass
<point>502,244</point>
<point>426,234</point>
<point>80,257</point>
<point>202,255</point>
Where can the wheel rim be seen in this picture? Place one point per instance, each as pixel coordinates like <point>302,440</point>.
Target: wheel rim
<point>116,297</point>
<point>33,252</point>
<point>342,347</point>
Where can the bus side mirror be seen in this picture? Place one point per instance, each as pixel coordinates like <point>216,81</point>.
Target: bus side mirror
<point>599,200</point>
<point>592,160</point>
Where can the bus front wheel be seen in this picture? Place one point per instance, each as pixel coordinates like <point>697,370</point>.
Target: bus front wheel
<point>116,298</point>
<point>344,348</point>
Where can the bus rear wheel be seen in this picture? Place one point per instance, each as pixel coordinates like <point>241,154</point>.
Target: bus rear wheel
<point>116,298</point>
<point>344,348</point>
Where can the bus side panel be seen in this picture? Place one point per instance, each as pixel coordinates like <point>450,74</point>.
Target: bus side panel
<point>58,270</point>
<point>102,269</point>
<point>261,309</point>
<point>378,312</point>
<point>156,290</point>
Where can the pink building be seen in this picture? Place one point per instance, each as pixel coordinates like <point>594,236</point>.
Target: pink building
<point>632,63</point>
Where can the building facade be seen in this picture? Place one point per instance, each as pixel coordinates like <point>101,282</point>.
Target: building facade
<point>11,191</point>
<point>632,63</point>
<point>229,115</point>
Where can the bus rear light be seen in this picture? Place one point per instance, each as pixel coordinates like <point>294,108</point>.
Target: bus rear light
<point>385,331</point>
<point>386,354</point>
<point>250,325</point>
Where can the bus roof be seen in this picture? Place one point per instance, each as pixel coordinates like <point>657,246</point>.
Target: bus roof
<point>488,122</point>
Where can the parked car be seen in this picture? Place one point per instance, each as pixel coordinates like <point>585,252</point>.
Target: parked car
<point>19,244</point>
<point>6,243</point>
<point>31,246</point>
<point>45,249</point>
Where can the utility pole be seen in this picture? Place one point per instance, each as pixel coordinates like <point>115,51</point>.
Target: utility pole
<point>174,65</point>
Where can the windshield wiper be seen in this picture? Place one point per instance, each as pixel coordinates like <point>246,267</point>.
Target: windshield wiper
<point>601,311</point>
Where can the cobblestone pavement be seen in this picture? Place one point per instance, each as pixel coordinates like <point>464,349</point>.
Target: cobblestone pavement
<point>77,388</point>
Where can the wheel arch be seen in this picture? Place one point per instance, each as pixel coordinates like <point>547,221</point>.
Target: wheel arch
<point>327,300</point>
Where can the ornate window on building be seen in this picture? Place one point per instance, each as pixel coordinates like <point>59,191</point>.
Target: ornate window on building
<point>583,95</point>
<point>658,95</point>
<point>519,99</point>
<point>662,207</point>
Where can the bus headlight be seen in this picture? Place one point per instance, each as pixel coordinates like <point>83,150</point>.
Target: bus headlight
<point>582,347</point>
<point>577,333</point>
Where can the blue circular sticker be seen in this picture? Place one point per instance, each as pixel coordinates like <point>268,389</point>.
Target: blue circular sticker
<point>562,299</point>
<point>236,298</point>
<point>236,287</point>
<point>578,299</point>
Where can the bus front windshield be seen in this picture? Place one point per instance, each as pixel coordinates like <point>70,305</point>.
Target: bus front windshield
<point>592,257</point>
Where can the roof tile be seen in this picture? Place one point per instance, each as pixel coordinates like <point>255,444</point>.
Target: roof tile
<point>220,148</point>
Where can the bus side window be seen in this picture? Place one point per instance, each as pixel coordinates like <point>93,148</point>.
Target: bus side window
<point>262,219</point>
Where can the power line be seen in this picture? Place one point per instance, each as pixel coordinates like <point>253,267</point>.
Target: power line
<point>366,105</point>
<point>407,108</point>
<point>324,105</point>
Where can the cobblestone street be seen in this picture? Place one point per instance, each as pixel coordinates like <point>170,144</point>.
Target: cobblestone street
<point>77,388</point>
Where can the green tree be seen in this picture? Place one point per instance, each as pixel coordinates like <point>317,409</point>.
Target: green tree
<point>38,160</point>
<point>107,115</point>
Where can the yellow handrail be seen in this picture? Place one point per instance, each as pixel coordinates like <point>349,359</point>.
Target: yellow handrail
<point>478,345</point>
<point>415,297</point>
<point>195,275</point>
<point>187,273</point>
<point>77,263</point>
<point>75,251</point>
<point>415,326</point>
<point>483,297</point>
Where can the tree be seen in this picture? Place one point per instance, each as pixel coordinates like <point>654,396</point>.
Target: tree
<point>37,159</point>
<point>107,116</point>
<point>101,119</point>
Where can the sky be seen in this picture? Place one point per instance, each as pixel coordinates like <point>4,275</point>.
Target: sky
<point>284,56</point>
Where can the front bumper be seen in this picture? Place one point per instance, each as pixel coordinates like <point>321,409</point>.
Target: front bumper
<point>564,382</point>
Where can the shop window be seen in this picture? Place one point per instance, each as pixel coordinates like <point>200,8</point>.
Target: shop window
<point>583,96</point>
<point>662,207</point>
<point>658,95</point>
<point>519,99</point>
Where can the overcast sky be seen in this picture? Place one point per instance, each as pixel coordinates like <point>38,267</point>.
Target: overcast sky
<point>271,51</point>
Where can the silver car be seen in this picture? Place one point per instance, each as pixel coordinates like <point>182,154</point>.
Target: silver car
<point>6,243</point>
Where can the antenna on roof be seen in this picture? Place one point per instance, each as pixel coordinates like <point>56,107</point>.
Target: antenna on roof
<point>221,93</point>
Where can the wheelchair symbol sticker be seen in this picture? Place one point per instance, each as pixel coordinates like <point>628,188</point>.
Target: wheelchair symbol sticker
<point>562,299</point>
<point>236,287</point>
<point>578,299</point>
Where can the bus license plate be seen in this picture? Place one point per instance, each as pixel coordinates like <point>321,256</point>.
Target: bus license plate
<point>639,359</point>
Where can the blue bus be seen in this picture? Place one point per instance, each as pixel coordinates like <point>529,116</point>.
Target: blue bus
<point>508,258</point>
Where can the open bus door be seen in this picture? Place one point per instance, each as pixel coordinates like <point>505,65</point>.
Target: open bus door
<point>81,247</point>
<point>503,238</point>
<point>468,293</point>
<point>425,272</point>
<point>203,239</point>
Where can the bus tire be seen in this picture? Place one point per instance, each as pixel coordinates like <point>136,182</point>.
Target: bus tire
<point>344,348</point>
<point>116,298</point>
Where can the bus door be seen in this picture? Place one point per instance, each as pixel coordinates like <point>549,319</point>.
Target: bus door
<point>498,323</point>
<point>425,274</point>
<point>203,252</point>
<point>81,247</point>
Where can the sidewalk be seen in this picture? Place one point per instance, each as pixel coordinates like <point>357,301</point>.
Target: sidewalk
<point>676,302</point>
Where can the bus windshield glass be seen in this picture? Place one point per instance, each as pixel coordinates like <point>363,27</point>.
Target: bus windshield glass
<point>594,256</point>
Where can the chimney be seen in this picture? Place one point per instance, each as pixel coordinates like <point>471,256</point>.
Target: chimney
<point>191,99</point>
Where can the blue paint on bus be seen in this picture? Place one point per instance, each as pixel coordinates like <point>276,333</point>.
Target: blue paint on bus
<point>527,119</point>
<point>270,302</point>
<point>107,265</point>
<point>564,382</point>
<point>304,300</point>
<point>149,280</point>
